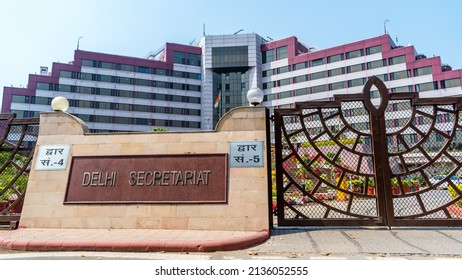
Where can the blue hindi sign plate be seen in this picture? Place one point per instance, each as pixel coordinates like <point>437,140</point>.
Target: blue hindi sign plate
<point>246,154</point>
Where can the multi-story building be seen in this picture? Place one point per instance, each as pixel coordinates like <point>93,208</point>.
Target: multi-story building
<point>185,87</point>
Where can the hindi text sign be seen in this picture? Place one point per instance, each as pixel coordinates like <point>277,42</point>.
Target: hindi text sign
<point>52,157</point>
<point>246,154</point>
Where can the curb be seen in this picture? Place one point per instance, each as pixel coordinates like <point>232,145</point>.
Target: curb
<point>8,242</point>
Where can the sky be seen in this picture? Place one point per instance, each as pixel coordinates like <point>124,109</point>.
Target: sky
<point>36,33</point>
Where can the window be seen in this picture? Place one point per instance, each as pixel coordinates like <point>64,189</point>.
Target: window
<point>162,72</point>
<point>106,65</point>
<point>281,53</point>
<point>125,67</point>
<point>195,100</point>
<point>299,66</point>
<point>85,90</point>
<point>383,77</point>
<point>229,56</point>
<point>284,94</point>
<point>316,62</point>
<point>353,54</point>
<point>194,59</point>
<point>44,86</point>
<point>20,99</point>
<point>356,82</point>
<point>178,74</point>
<point>284,69</point>
<point>267,56</point>
<point>88,63</point>
<point>103,119</point>
<point>65,88</point>
<point>178,57</point>
<point>356,68</point>
<point>142,82</point>
<point>142,95</point>
<point>124,93</point>
<point>87,76</point>
<point>422,71</point>
<point>177,86</point>
<point>400,75</point>
<point>141,69</point>
<point>335,72</point>
<point>267,73</point>
<point>267,85</point>
<point>317,75</point>
<point>397,60</point>
<point>105,78</point>
<point>302,91</point>
<point>103,105</point>
<point>67,74</point>
<point>317,89</point>
<point>377,64</point>
<point>284,82</point>
<point>300,79</point>
<point>194,88</point>
<point>335,58</point>
<point>123,80</point>
<point>450,83</point>
<point>372,50</point>
<point>401,89</point>
<point>338,85</point>
<point>426,86</point>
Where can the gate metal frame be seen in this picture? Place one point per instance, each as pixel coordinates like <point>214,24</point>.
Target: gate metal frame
<point>382,171</point>
<point>17,137</point>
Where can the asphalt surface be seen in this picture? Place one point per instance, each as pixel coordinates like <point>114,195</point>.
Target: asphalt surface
<point>313,243</point>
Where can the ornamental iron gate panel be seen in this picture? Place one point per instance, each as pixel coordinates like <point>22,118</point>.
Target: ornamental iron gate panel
<point>370,159</point>
<point>17,141</point>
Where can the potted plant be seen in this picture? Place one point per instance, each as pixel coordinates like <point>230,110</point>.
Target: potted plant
<point>371,187</point>
<point>308,185</point>
<point>406,185</point>
<point>394,186</point>
<point>415,185</point>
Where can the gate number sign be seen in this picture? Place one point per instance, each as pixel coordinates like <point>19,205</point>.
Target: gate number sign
<point>246,154</point>
<point>52,157</point>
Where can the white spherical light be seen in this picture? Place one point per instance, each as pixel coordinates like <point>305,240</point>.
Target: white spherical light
<point>59,103</point>
<point>255,96</point>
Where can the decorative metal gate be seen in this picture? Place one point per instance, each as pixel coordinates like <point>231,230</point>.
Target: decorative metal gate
<point>17,141</point>
<point>370,159</point>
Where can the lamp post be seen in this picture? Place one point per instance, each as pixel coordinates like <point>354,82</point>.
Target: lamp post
<point>59,103</point>
<point>255,96</point>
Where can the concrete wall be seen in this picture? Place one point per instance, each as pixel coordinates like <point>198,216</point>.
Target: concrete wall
<point>247,207</point>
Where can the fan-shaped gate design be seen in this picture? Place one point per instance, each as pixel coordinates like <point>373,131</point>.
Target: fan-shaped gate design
<point>370,159</point>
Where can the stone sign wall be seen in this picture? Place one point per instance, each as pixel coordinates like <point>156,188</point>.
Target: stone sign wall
<point>163,180</point>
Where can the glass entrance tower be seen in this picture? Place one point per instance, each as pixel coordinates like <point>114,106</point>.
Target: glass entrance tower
<point>232,66</point>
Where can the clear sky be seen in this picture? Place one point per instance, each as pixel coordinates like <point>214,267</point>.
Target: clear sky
<point>36,33</point>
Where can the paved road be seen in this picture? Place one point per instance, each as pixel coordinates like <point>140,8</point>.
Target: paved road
<point>313,243</point>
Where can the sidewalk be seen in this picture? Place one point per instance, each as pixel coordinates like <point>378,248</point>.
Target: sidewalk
<point>306,243</point>
<point>128,240</point>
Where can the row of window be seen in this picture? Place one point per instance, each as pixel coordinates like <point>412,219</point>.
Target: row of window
<point>163,72</point>
<point>178,57</point>
<point>108,105</point>
<point>186,58</point>
<point>350,69</point>
<point>275,54</point>
<point>281,52</point>
<point>129,81</point>
<point>119,120</point>
<point>355,83</point>
<point>118,93</point>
